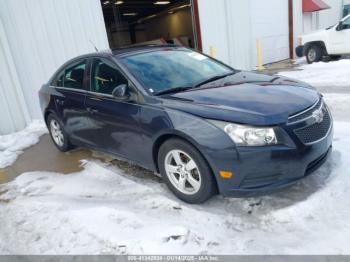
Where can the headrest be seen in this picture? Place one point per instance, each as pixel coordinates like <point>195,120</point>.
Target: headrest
<point>77,74</point>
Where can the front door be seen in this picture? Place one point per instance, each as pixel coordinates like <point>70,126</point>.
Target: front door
<point>115,123</point>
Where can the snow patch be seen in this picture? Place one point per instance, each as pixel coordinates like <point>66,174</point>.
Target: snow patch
<point>12,145</point>
<point>338,102</point>
<point>336,73</point>
<point>300,61</point>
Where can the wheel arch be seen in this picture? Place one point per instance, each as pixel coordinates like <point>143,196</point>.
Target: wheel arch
<point>161,139</point>
<point>46,115</point>
<point>317,43</point>
<point>178,135</point>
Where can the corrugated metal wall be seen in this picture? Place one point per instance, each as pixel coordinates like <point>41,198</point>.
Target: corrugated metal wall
<point>13,110</point>
<point>225,25</point>
<point>297,21</point>
<point>270,24</point>
<point>36,37</point>
<point>233,26</point>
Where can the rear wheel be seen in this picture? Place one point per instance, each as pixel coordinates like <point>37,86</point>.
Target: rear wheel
<point>186,172</point>
<point>314,54</point>
<point>57,133</point>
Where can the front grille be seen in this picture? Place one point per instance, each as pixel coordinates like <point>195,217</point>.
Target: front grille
<point>254,180</point>
<point>316,131</point>
<point>307,113</point>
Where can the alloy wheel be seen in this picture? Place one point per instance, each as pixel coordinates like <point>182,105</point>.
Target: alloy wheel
<point>182,172</point>
<point>56,133</point>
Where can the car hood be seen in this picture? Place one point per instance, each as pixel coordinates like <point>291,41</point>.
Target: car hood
<point>247,98</point>
<point>318,35</point>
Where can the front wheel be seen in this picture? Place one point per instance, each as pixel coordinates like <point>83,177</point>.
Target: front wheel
<point>186,172</point>
<point>314,54</point>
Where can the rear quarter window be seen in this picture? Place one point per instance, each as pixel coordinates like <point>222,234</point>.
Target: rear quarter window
<point>72,76</point>
<point>58,81</point>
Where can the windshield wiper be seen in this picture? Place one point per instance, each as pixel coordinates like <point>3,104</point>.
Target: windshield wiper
<point>185,88</point>
<point>212,79</point>
<point>173,90</point>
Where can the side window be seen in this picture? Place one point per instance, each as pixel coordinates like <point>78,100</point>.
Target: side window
<point>71,77</point>
<point>346,23</point>
<point>346,10</point>
<point>74,76</point>
<point>105,77</point>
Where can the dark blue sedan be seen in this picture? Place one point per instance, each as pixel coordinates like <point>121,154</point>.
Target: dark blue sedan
<point>206,127</point>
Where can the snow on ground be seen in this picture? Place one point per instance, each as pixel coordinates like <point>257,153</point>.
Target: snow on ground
<point>336,73</point>
<point>300,61</point>
<point>339,105</point>
<point>100,210</point>
<point>12,145</point>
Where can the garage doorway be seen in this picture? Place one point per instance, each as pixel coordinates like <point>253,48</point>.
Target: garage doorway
<point>141,22</point>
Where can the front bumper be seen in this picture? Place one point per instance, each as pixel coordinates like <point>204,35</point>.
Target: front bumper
<point>299,50</point>
<point>267,178</point>
<point>259,170</point>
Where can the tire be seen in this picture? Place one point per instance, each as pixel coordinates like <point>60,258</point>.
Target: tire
<point>56,130</point>
<point>335,57</point>
<point>199,183</point>
<point>314,54</point>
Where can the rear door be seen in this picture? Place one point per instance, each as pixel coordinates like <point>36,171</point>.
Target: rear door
<point>115,123</point>
<point>69,97</point>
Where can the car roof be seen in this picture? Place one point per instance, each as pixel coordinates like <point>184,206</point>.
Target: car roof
<point>126,51</point>
<point>142,48</point>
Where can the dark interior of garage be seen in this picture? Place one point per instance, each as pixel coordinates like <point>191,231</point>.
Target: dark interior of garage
<point>140,22</point>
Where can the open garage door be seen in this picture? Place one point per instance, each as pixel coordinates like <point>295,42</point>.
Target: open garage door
<point>270,24</point>
<point>138,22</point>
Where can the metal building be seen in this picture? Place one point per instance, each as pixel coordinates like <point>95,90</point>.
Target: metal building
<point>37,36</point>
<point>238,24</point>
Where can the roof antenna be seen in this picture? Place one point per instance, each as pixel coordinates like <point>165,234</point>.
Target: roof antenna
<point>93,45</point>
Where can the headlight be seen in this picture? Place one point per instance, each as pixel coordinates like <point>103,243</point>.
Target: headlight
<point>248,135</point>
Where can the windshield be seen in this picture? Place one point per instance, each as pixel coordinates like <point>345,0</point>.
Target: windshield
<point>164,70</point>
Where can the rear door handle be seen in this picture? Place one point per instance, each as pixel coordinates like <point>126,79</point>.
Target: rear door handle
<point>96,98</point>
<point>60,102</point>
<point>92,111</point>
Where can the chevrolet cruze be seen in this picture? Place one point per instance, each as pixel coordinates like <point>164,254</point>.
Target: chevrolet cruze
<point>205,127</point>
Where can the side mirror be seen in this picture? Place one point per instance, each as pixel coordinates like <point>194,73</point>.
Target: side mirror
<point>121,91</point>
<point>340,26</point>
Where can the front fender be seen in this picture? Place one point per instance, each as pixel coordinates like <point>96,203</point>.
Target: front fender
<point>213,143</point>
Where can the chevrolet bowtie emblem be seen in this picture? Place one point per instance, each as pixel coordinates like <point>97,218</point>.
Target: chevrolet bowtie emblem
<point>318,115</point>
